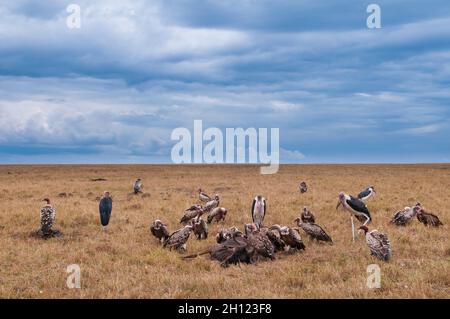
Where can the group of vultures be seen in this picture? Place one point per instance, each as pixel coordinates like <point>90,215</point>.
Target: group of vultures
<point>258,241</point>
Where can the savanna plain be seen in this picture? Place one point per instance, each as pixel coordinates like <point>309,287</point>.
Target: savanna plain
<point>127,262</point>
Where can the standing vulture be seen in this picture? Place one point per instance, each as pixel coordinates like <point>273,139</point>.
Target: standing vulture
<point>105,208</point>
<point>137,186</point>
<point>302,187</point>
<point>217,215</point>
<point>178,238</point>
<point>378,243</point>
<point>259,207</point>
<point>291,237</point>
<point>48,215</point>
<point>307,216</point>
<point>203,196</point>
<point>428,219</point>
<point>159,230</point>
<point>259,241</point>
<point>200,228</point>
<point>190,213</point>
<point>209,206</point>
<point>314,231</point>
<point>404,216</point>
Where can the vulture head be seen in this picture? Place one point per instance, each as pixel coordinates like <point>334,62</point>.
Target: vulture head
<point>47,201</point>
<point>251,229</point>
<point>216,197</point>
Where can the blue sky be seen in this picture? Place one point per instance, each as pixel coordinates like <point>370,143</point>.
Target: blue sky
<point>113,90</point>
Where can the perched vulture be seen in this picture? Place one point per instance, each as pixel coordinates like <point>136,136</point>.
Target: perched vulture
<point>190,213</point>
<point>427,218</point>
<point>159,230</point>
<point>378,243</point>
<point>259,207</point>
<point>48,214</point>
<point>209,206</point>
<point>404,216</point>
<point>367,193</point>
<point>217,215</point>
<point>137,186</point>
<point>232,251</point>
<point>203,196</point>
<point>302,187</point>
<point>178,238</point>
<point>307,216</point>
<point>105,209</point>
<point>291,237</point>
<point>314,231</point>
<point>199,228</point>
<point>225,234</point>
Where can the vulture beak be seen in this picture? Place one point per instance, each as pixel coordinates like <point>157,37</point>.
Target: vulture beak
<point>338,204</point>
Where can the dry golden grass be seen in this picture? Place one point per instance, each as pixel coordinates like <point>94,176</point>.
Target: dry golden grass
<point>128,263</point>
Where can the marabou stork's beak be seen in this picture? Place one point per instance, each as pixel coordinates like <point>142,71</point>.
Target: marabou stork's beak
<point>338,204</point>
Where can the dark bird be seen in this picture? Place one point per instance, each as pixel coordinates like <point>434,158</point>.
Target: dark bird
<point>190,213</point>
<point>105,209</point>
<point>203,196</point>
<point>209,206</point>
<point>291,237</point>
<point>159,230</point>
<point>307,216</point>
<point>234,250</point>
<point>259,207</point>
<point>217,215</point>
<point>378,243</point>
<point>275,237</point>
<point>303,187</point>
<point>137,186</point>
<point>199,227</point>
<point>178,238</point>
<point>427,218</point>
<point>314,231</point>
<point>367,193</point>
<point>404,216</point>
<point>356,208</point>
<point>259,241</point>
<point>225,234</point>
<point>48,215</point>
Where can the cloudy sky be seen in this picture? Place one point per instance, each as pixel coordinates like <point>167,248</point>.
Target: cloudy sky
<point>113,90</point>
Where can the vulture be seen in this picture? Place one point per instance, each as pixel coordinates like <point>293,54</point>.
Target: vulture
<point>178,238</point>
<point>203,196</point>
<point>367,193</point>
<point>427,218</point>
<point>259,241</point>
<point>356,208</point>
<point>209,206</point>
<point>48,214</point>
<point>199,228</point>
<point>307,216</point>
<point>259,208</point>
<point>302,187</point>
<point>159,230</point>
<point>275,238</point>
<point>378,243</point>
<point>190,213</point>
<point>217,215</point>
<point>291,237</point>
<point>404,216</point>
<point>234,250</point>
<point>105,209</point>
<point>137,186</point>
<point>225,234</point>
<point>314,231</point>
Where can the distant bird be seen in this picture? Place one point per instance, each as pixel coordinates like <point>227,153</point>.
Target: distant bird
<point>307,216</point>
<point>428,219</point>
<point>137,186</point>
<point>225,234</point>
<point>404,216</point>
<point>314,231</point>
<point>367,193</point>
<point>178,238</point>
<point>190,213</point>
<point>105,209</point>
<point>48,214</point>
<point>259,241</point>
<point>209,206</point>
<point>200,228</point>
<point>291,237</point>
<point>203,196</point>
<point>159,230</point>
<point>234,250</point>
<point>217,215</point>
<point>378,243</point>
<point>259,207</point>
<point>302,187</point>
<point>356,208</point>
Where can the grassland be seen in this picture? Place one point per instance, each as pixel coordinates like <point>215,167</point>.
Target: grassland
<point>127,262</point>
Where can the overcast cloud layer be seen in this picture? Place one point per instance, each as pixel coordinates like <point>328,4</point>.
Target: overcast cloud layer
<point>113,90</point>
